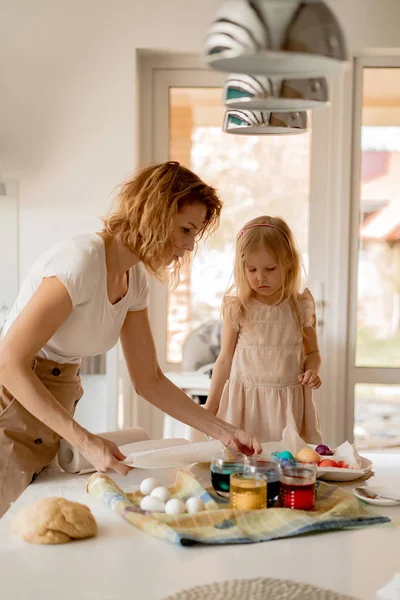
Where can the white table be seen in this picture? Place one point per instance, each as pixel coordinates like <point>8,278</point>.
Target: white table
<point>194,384</point>
<point>191,382</point>
<point>124,562</point>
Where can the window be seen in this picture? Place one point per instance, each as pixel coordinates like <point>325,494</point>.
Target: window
<point>377,415</point>
<point>254,175</point>
<point>373,375</point>
<point>300,177</point>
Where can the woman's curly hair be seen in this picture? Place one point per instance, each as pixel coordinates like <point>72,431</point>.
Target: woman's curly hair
<point>148,204</point>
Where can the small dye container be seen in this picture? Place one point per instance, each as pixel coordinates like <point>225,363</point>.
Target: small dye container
<point>223,464</point>
<point>248,492</point>
<point>298,483</point>
<point>269,466</point>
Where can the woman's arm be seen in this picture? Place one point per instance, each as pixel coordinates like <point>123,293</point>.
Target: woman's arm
<point>312,359</point>
<point>35,325</point>
<point>222,367</point>
<point>149,382</point>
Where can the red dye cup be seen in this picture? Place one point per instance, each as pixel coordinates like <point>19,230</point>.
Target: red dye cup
<point>297,486</point>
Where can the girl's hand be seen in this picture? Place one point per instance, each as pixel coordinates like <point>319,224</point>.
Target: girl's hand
<point>104,455</point>
<point>311,379</point>
<point>244,442</point>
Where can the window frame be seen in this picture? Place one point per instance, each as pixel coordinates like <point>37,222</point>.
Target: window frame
<point>361,375</point>
<point>329,221</point>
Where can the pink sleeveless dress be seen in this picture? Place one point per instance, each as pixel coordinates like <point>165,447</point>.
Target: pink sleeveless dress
<point>262,394</point>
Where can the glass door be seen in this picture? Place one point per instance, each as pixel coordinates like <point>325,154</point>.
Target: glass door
<point>374,355</point>
<point>254,176</point>
<point>181,116</point>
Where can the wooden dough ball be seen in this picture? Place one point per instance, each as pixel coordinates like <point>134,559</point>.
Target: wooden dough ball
<point>54,521</point>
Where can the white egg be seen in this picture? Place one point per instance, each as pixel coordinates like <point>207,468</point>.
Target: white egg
<point>175,507</point>
<point>152,504</point>
<point>162,493</point>
<point>148,485</point>
<point>194,505</point>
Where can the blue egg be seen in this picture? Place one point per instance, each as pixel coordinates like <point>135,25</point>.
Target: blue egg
<point>287,462</point>
<point>286,454</point>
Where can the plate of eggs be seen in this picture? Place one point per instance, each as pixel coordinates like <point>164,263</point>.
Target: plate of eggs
<point>330,467</point>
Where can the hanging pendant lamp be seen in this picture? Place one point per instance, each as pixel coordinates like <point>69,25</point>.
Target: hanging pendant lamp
<point>291,39</point>
<point>245,122</point>
<point>264,93</point>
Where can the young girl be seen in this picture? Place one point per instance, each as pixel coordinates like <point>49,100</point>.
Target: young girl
<point>269,361</point>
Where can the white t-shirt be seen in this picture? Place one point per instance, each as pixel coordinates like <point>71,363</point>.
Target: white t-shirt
<point>94,325</point>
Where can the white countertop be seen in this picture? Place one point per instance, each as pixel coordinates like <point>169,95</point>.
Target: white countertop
<point>191,382</point>
<point>124,562</point>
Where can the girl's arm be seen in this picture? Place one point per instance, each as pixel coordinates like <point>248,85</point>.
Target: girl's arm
<point>312,359</point>
<point>222,367</point>
<point>150,383</point>
<point>35,325</point>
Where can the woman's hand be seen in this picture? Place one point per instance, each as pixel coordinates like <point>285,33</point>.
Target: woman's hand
<point>311,379</point>
<point>104,455</point>
<point>244,442</point>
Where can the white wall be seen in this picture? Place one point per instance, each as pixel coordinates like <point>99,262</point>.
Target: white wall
<point>67,98</point>
<point>9,255</point>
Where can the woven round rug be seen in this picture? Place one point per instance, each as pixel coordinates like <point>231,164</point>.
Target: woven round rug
<point>258,589</point>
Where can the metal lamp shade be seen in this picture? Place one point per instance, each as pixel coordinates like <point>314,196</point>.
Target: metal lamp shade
<point>263,93</point>
<point>245,122</point>
<point>283,38</point>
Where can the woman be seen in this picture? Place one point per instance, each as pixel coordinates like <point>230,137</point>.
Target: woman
<point>79,297</point>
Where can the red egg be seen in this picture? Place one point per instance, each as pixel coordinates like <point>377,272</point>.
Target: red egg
<point>342,465</point>
<point>327,462</point>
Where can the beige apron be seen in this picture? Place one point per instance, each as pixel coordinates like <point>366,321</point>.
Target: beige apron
<point>26,445</point>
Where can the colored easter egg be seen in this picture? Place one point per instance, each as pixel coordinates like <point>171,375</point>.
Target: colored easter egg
<point>308,455</point>
<point>328,463</point>
<point>287,462</point>
<point>286,454</point>
<point>323,450</point>
<point>342,465</point>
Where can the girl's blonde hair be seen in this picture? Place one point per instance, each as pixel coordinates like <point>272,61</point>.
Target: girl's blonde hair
<point>273,234</point>
<point>148,204</point>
